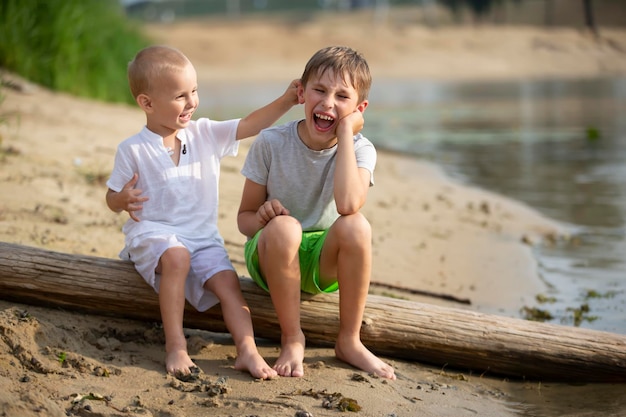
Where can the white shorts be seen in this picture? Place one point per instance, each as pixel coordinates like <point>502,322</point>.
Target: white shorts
<point>207,259</point>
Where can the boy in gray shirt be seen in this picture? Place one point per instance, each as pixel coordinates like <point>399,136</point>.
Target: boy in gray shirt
<point>305,184</point>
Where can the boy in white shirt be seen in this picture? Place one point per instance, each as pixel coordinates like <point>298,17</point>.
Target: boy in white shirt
<point>166,177</point>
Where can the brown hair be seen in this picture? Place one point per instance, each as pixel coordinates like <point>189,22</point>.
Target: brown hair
<point>151,63</point>
<point>343,61</point>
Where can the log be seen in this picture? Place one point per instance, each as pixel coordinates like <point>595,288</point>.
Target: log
<point>456,338</point>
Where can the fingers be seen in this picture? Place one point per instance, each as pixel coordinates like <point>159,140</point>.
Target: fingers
<point>133,216</point>
<point>278,208</point>
<point>132,209</point>
<point>135,203</point>
<point>358,121</point>
<point>134,200</point>
<point>269,210</point>
<point>292,91</point>
<point>266,213</point>
<point>353,121</point>
<point>132,182</point>
<point>295,83</point>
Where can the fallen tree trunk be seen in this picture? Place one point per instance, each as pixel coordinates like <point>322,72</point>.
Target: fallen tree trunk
<point>400,329</point>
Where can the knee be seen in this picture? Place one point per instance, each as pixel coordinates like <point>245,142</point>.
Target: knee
<point>176,259</point>
<point>354,229</point>
<point>282,231</point>
<point>223,283</point>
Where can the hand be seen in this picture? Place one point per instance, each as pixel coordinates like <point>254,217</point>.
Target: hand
<point>131,197</point>
<point>350,124</point>
<point>291,94</point>
<point>269,210</point>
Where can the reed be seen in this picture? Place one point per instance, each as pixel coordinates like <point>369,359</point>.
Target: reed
<point>81,47</point>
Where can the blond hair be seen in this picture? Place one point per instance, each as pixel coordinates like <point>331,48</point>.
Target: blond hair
<point>344,62</point>
<point>150,64</point>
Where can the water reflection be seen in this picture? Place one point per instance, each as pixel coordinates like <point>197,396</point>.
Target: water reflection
<point>559,146</point>
<point>547,400</point>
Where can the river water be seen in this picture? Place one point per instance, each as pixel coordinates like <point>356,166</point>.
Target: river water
<point>556,145</point>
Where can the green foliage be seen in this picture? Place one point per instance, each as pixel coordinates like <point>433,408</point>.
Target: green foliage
<point>593,134</point>
<point>581,314</point>
<point>595,294</point>
<point>77,46</point>
<point>536,314</point>
<point>543,299</point>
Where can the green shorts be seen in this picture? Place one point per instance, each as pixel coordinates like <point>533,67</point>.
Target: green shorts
<point>309,254</point>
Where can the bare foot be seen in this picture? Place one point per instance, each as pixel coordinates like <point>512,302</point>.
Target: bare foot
<point>356,354</point>
<point>290,361</point>
<point>255,364</point>
<point>178,362</point>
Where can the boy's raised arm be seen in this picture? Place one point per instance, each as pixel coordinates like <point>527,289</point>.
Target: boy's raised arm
<point>267,115</point>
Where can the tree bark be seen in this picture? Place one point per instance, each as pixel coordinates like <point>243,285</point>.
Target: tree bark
<point>456,338</point>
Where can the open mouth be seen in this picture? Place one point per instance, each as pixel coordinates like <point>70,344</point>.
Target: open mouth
<point>323,121</point>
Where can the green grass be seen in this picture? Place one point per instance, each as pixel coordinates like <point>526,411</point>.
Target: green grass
<point>81,47</point>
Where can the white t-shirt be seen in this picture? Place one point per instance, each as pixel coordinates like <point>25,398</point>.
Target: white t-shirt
<point>299,177</point>
<point>183,199</point>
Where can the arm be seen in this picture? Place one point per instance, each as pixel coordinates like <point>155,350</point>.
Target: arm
<point>351,183</point>
<point>128,198</point>
<point>254,211</point>
<point>264,117</point>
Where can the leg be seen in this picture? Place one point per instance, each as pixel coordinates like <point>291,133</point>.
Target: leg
<point>347,255</point>
<point>278,258</point>
<point>225,285</point>
<point>174,267</point>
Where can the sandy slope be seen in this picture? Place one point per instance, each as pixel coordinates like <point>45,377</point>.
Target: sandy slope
<point>442,237</point>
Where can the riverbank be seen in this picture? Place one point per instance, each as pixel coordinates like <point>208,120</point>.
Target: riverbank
<point>430,233</point>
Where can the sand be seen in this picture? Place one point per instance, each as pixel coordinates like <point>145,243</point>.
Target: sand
<point>430,233</point>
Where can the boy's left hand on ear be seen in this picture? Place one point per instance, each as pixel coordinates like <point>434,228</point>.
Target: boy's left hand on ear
<point>353,121</point>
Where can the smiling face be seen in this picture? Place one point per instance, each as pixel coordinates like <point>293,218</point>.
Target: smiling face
<point>171,101</point>
<point>327,98</point>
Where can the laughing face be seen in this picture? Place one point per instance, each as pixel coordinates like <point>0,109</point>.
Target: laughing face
<point>173,101</point>
<point>327,98</point>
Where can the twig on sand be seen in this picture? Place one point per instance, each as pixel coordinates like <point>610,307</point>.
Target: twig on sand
<point>414,291</point>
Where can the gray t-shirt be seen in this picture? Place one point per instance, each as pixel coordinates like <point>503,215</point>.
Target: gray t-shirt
<point>299,177</point>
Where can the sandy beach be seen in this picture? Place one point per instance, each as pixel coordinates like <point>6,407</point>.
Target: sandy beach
<point>441,237</point>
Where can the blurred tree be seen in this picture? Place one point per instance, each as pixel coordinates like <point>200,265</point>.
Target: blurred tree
<point>479,8</point>
<point>589,20</point>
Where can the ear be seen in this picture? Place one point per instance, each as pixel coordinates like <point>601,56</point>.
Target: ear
<point>300,93</point>
<point>362,106</point>
<point>144,102</point>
